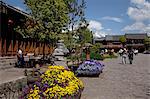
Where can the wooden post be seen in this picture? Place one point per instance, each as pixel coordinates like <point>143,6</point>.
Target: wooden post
<point>4,48</point>
<point>34,46</point>
<point>0,46</point>
<point>16,49</point>
<point>28,46</point>
<point>43,53</point>
<point>9,51</point>
<point>11,47</point>
<point>23,47</point>
<point>40,50</point>
<point>31,47</point>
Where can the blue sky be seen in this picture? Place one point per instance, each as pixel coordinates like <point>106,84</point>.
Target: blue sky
<point>112,16</point>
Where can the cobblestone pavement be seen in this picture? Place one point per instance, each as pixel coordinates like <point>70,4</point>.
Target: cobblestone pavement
<point>11,74</point>
<point>120,81</point>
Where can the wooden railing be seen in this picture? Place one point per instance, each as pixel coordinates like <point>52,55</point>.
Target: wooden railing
<point>112,46</point>
<point>10,47</point>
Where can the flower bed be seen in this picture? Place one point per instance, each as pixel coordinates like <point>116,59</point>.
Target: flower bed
<point>90,68</point>
<point>56,83</point>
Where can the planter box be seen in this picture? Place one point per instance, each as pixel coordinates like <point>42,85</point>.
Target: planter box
<point>88,74</point>
<point>90,68</point>
<point>32,76</point>
<point>73,68</point>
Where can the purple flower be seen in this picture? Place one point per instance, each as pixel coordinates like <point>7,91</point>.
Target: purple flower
<point>38,84</point>
<point>90,67</point>
<point>40,79</point>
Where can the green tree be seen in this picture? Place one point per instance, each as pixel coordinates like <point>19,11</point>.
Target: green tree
<point>96,48</point>
<point>147,43</point>
<point>85,35</point>
<point>122,39</point>
<point>76,18</point>
<point>48,18</point>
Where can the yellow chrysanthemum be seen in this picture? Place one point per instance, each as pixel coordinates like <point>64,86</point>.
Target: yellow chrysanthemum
<point>62,82</point>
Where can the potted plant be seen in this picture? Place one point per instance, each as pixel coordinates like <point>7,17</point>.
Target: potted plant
<point>57,82</point>
<point>90,68</point>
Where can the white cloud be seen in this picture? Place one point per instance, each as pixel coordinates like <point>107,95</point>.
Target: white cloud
<point>140,10</point>
<point>98,34</point>
<point>108,29</point>
<point>95,25</point>
<point>97,28</point>
<point>147,28</point>
<point>138,1</point>
<point>137,26</point>
<point>116,19</point>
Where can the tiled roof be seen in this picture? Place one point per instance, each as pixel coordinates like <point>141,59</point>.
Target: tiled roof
<point>99,39</point>
<point>113,37</point>
<point>136,36</point>
<point>117,37</point>
<point>13,8</point>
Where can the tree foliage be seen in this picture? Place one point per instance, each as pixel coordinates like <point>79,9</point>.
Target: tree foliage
<point>147,41</point>
<point>122,39</point>
<point>96,48</point>
<point>48,18</point>
<point>77,20</point>
<point>85,35</point>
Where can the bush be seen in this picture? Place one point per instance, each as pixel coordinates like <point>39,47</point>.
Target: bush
<point>57,82</point>
<point>109,56</point>
<point>93,56</point>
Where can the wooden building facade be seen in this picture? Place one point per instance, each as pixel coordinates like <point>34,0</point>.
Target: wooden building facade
<point>136,41</point>
<point>10,41</point>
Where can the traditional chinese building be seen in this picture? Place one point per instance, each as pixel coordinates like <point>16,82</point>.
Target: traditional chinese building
<point>10,40</point>
<point>135,41</point>
<point>110,42</point>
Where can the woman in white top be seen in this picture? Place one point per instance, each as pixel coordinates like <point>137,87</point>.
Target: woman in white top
<point>124,56</point>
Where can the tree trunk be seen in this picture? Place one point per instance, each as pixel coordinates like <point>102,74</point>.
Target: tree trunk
<point>87,54</point>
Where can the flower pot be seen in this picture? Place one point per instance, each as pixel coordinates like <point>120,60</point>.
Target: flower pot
<point>90,68</point>
<point>76,96</point>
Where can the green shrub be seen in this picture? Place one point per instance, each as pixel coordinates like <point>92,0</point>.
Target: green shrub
<point>109,56</point>
<point>93,55</point>
<point>73,58</point>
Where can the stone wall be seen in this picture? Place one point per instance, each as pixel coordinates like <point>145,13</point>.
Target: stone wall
<point>12,89</point>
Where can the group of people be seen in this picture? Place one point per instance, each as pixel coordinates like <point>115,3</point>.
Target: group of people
<point>124,53</point>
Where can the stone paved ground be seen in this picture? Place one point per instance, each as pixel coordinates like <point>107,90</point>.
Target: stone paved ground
<point>120,81</point>
<point>7,75</point>
<point>116,82</point>
<point>12,74</point>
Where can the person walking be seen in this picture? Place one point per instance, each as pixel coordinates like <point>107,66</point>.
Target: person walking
<point>135,52</point>
<point>124,56</point>
<point>130,55</point>
<point>120,52</point>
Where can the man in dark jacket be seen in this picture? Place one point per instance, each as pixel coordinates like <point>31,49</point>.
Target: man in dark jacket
<point>130,55</point>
